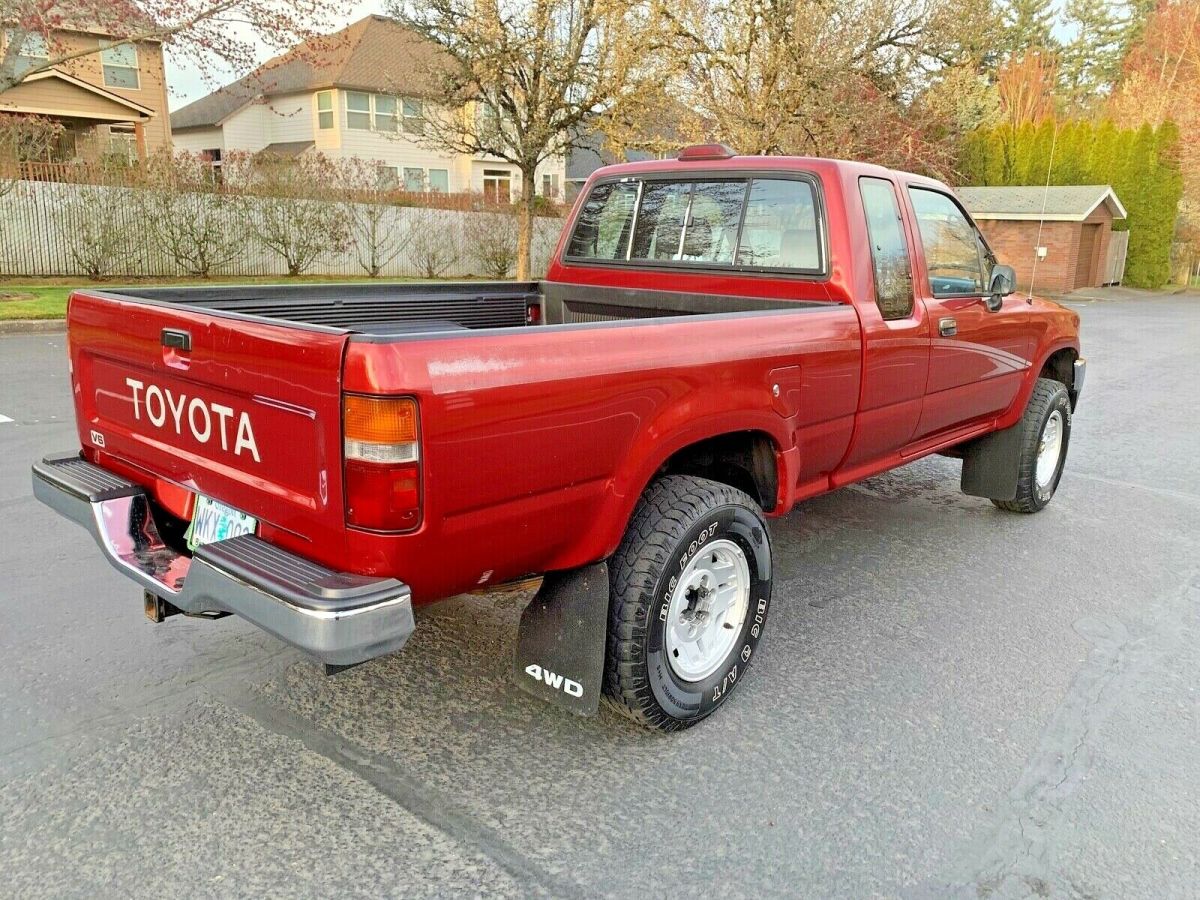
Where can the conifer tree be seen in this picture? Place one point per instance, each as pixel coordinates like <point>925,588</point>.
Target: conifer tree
<point>1091,60</point>
<point>1027,25</point>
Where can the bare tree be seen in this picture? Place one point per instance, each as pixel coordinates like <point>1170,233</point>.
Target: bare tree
<point>189,218</point>
<point>23,138</point>
<point>434,247</point>
<point>803,76</point>
<point>375,228</point>
<point>209,35</point>
<point>523,77</point>
<point>294,210</point>
<point>95,225</point>
<point>490,234</point>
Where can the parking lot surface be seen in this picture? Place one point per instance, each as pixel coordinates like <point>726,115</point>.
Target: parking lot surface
<point>948,701</point>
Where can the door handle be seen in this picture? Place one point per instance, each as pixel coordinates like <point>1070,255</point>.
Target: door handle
<point>176,339</point>
<point>947,326</point>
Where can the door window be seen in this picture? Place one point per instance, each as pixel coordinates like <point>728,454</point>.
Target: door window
<point>953,249</point>
<point>889,248</point>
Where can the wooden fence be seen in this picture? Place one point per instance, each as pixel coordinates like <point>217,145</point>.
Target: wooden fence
<point>50,228</point>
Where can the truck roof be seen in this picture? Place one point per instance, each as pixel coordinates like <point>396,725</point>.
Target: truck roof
<point>712,162</point>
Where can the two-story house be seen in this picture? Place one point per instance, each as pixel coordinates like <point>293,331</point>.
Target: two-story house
<point>359,93</point>
<point>112,101</point>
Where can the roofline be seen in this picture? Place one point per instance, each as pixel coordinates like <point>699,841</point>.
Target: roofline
<point>1032,217</point>
<point>1108,195</point>
<point>267,96</point>
<point>87,86</point>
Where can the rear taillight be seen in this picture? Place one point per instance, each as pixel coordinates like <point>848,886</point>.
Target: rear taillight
<point>383,465</point>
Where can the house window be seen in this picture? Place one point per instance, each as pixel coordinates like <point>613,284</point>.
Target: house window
<point>497,185</point>
<point>358,110</point>
<point>414,179</point>
<point>385,113</point>
<point>550,186</point>
<point>122,143</point>
<point>414,117</point>
<point>387,177</point>
<point>120,66</point>
<point>439,181</point>
<point>33,50</point>
<point>325,110</point>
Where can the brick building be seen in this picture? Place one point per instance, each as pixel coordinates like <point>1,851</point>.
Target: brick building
<point>1079,246</point>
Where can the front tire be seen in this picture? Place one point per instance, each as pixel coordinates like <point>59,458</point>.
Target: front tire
<point>691,585</point>
<point>1045,433</point>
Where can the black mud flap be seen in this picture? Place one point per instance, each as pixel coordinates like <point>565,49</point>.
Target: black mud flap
<point>992,464</point>
<point>561,641</point>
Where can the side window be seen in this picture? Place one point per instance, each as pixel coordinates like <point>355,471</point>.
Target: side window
<point>953,250</point>
<point>780,227</point>
<point>889,249</point>
<point>602,231</point>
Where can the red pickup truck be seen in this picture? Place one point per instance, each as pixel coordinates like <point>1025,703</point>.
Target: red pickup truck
<point>716,339</point>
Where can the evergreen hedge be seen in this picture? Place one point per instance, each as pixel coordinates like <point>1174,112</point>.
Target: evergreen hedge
<point>1141,164</point>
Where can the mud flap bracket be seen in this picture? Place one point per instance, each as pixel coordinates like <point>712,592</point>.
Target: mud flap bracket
<point>561,639</point>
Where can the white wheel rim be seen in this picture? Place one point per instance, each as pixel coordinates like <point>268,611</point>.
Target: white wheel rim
<point>1049,449</point>
<point>707,610</point>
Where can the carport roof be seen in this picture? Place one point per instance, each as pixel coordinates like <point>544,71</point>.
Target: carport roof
<point>1057,203</point>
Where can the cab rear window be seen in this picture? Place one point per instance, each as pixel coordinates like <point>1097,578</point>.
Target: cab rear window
<point>750,224</point>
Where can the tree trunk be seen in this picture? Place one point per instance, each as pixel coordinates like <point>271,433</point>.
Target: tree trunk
<point>525,224</point>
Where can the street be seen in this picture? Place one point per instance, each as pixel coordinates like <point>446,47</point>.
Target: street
<point>949,700</point>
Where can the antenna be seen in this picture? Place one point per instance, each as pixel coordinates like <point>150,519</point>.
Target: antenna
<point>1042,220</point>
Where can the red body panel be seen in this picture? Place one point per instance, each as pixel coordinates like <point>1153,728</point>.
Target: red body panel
<point>537,442</point>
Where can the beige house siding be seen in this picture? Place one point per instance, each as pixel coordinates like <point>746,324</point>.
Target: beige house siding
<point>293,117</point>
<point>152,83</point>
<point>50,96</point>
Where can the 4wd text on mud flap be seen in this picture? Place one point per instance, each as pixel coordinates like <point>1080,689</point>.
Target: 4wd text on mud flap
<point>558,682</point>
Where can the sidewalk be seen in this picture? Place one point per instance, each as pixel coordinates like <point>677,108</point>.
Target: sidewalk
<point>1123,293</point>
<point>32,326</point>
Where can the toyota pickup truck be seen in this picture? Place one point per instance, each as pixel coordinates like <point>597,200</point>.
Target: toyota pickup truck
<point>717,338</point>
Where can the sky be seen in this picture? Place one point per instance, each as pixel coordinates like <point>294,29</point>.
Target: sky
<point>186,84</point>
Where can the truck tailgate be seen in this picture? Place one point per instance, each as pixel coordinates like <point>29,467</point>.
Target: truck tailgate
<point>245,412</point>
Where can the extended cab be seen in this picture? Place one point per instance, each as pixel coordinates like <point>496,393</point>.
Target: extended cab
<point>717,338</point>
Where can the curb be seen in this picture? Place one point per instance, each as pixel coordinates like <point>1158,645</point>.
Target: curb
<point>33,326</point>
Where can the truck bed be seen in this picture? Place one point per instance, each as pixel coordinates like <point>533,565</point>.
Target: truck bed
<point>385,309</point>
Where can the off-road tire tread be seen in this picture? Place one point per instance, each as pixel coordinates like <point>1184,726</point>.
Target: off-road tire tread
<point>1040,401</point>
<point>666,511</point>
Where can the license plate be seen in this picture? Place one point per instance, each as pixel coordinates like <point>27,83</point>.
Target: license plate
<point>213,521</point>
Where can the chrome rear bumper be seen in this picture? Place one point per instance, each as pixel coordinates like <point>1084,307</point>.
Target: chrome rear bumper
<point>340,619</point>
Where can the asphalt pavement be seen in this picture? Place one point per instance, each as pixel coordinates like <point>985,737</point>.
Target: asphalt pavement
<point>949,700</point>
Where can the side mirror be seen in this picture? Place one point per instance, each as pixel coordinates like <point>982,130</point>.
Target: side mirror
<point>1004,282</point>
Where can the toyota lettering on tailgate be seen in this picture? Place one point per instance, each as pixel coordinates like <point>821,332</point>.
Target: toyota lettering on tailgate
<point>206,421</point>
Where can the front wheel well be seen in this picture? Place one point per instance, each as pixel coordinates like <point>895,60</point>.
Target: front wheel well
<point>742,459</point>
<point>1060,366</point>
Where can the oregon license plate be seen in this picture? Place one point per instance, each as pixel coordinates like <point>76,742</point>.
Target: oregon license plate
<point>213,521</point>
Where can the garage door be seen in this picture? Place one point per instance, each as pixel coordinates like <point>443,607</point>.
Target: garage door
<point>1088,238</point>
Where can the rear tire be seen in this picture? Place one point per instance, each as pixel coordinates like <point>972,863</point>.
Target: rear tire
<point>1045,434</point>
<point>691,584</point>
